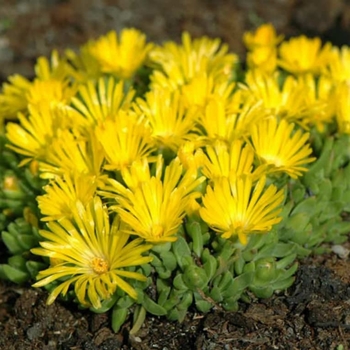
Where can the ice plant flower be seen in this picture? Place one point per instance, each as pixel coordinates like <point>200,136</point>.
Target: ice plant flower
<point>202,89</point>
<point>339,64</point>
<point>234,206</point>
<point>97,101</point>
<point>52,92</point>
<point>286,100</point>
<point>170,122</point>
<point>124,139</point>
<point>262,47</point>
<point>222,160</point>
<point>62,194</point>
<point>216,124</point>
<point>319,100</point>
<point>91,255</point>
<point>179,64</point>
<point>13,97</point>
<point>121,56</point>
<point>74,153</point>
<point>342,98</point>
<point>34,134</point>
<point>279,146</point>
<point>302,55</point>
<point>264,36</point>
<point>155,209</point>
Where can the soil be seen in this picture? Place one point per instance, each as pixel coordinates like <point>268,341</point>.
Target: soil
<point>313,314</point>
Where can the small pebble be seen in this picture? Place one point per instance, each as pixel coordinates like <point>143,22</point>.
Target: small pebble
<point>341,251</point>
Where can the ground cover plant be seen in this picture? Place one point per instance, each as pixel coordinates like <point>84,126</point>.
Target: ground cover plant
<point>139,178</point>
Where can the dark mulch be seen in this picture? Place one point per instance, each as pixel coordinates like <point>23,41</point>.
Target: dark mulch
<point>313,314</point>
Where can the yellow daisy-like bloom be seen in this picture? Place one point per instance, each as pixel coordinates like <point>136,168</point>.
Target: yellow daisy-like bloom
<point>171,123</point>
<point>133,177</point>
<point>97,101</point>
<point>319,100</point>
<point>55,68</point>
<point>263,58</point>
<point>155,209</point>
<point>280,147</point>
<point>19,92</point>
<point>73,153</point>
<point>236,207</point>
<point>342,101</point>
<point>91,255</point>
<point>224,160</point>
<point>264,36</point>
<point>262,46</point>
<point>302,55</point>
<point>179,64</point>
<point>83,66</point>
<point>13,97</point>
<point>51,92</point>
<point>123,56</point>
<point>285,101</point>
<point>124,140</point>
<point>203,88</point>
<point>190,155</point>
<point>33,136</point>
<point>217,124</point>
<point>62,194</point>
<point>339,65</point>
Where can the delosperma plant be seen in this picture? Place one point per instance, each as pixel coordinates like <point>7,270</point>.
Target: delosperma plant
<point>143,178</point>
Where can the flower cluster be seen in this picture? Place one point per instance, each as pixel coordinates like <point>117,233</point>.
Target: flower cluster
<point>133,139</point>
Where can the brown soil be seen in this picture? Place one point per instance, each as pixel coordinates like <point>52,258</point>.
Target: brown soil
<point>313,314</point>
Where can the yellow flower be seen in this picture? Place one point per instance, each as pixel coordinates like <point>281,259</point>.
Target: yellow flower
<point>283,150</point>
<point>170,122</point>
<point>319,100</point>
<point>339,65</point>
<point>304,55</point>
<point>19,92</point>
<point>133,176</point>
<point>235,207</point>
<point>13,97</point>
<point>124,140</point>
<point>35,133</point>
<point>217,124</point>
<point>284,100</point>
<point>83,66</point>
<point>73,153</point>
<point>224,160</point>
<point>55,68</point>
<point>203,88</point>
<point>264,36</point>
<point>262,46</point>
<point>97,101</point>
<point>190,155</point>
<point>123,56</point>
<point>179,64</point>
<point>263,59</point>
<point>90,255</point>
<point>51,92</point>
<point>62,194</point>
<point>155,209</point>
<point>342,101</point>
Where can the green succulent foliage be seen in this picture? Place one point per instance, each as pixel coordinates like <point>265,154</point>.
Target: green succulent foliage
<point>18,234</point>
<point>203,270</point>
<point>313,213</point>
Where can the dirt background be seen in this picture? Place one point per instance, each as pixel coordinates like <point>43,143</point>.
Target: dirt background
<point>313,314</point>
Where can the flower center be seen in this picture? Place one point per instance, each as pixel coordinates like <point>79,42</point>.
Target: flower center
<point>157,230</point>
<point>99,265</point>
